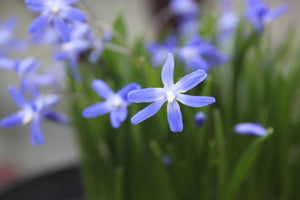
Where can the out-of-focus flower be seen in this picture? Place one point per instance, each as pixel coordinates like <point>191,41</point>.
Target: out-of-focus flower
<point>200,119</point>
<point>166,160</point>
<point>8,41</point>
<point>199,54</point>
<point>250,129</point>
<point>55,12</point>
<point>171,93</point>
<point>107,35</point>
<point>115,103</point>
<point>26,70</point>
<point>159,52</point>
<point>33,112</point>
<point>260,14</point>
<point>227,21</point>
<point>48,36</point>
<point>183,7</point>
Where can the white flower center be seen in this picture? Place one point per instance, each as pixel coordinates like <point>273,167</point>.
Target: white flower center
<point>189,52</point>
<point>28,115</point>
<point>55,9</point>
<point>170,96</point>
<point>117,102</point>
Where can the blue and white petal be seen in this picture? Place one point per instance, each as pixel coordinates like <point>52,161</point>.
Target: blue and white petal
<point>147,112</point>
<point>195,101</point>
<point>174,117</point>
<point>146,95</point>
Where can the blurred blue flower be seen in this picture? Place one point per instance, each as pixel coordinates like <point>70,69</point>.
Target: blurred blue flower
<point>227,22</point>
<point>33,111</point>
<point>260,14</point>
<point>115,103</point>
<point>55,12</point>
<point>200,119</point>
<point>8,41</point>
<point>27,70</point>
<point>48,36</point>
<point>183,7</point>
<point>250,129</point>
<point>199,54</point>
<point>166,160</point>
<point>107,36</point>
<point>159,52</point>
<point>171,93</point>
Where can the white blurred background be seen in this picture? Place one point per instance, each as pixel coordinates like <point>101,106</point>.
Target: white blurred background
<point>60,150</point>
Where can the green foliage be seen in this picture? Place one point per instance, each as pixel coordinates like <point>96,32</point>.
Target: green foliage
<point>260,84</point>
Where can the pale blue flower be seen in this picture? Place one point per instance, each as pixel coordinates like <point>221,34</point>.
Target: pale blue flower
<point>199,54</point>
<point>115,103</point>
<point>183,7</point>
<point>260,14</point>
<point>55,12</point>
<point>170,93</point>
<point>159,52</point>
<point>33,111</point>
<point>250,129</point>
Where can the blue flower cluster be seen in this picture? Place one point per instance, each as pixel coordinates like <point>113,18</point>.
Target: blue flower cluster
<point>62,27</point>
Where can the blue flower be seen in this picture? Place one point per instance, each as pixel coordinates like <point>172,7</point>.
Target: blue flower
<point>170,93</point>
<point>200,119</point>
<point>48,36</point>
<point>26,70</point>
<point>250,129</point>
<point>159,52</point>
<point>260,14</point>
<point>55,12</point>
<point>167,160</point>
<point>115,103</point>
<point>183,7</point>
<point>227,22</point>
<point>33,112</point>
<point>199,54</point>
<point>7,40</point>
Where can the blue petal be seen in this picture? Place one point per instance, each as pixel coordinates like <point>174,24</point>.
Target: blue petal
<point>61,56</point>
<point>7,64</point>
<point>46,79</point>
<point>195,101</point>
<point>147,112</point>
<point>35,5</point>
<point>26,66</point>
<point>75,14</point>
<point>96,110</point>
<point>15,119</point>
<point>102,89</point>
<point>74,68</point>
<point>57,117</point>
<point>167,72</point>
<point>36,135</point>
<point>250,129</point>
<point>146,95</point>
<point>16,96</point>
<point>174,117</point>
<point>190,81</point>
<point>70,1</point>
<point>278,11</point>
<point>62,28</point>
<point>118,116</point>
<point>39,23</point>
<point>125,90</point>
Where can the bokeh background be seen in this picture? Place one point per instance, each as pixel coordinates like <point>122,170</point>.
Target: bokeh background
<point>18,159</point>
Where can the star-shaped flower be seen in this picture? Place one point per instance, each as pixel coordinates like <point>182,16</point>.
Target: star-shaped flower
<point>159,52</point>
<point>260,14</point>
<point>55,12</point>
<point>170,93</point>
<point>199,54</point>
<point>115,103</point>
<point>33,112</point>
